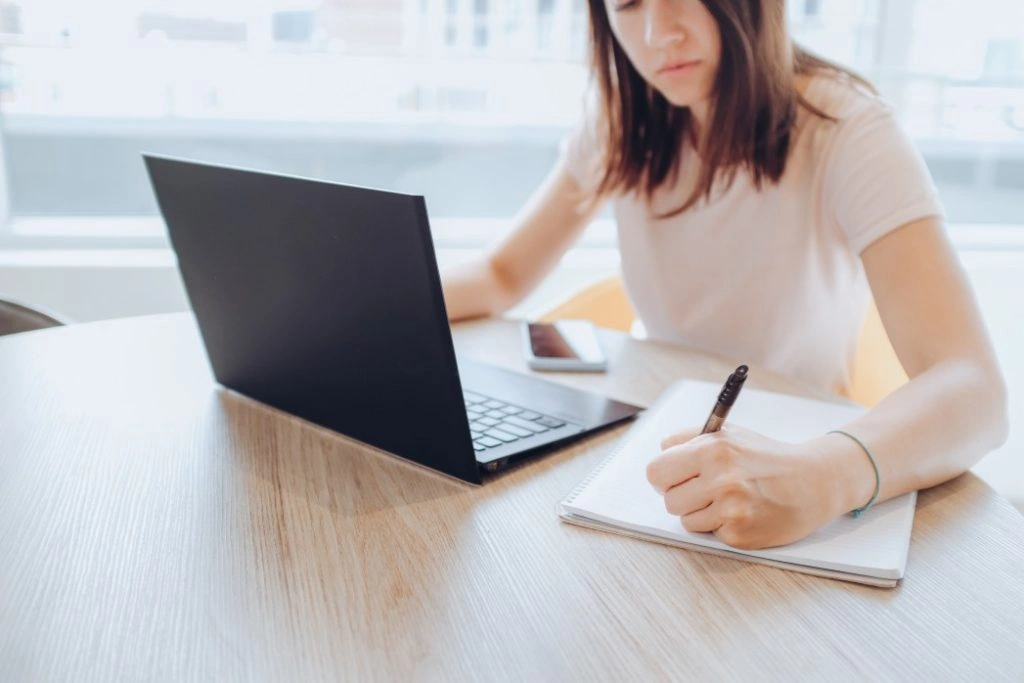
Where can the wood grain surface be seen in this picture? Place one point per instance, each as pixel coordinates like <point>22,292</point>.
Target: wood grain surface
<point>156,527</point>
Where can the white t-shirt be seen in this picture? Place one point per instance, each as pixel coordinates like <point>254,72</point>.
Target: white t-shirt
<point>773,277</point>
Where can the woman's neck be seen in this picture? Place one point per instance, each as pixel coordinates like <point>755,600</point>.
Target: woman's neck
<point>700,112</point>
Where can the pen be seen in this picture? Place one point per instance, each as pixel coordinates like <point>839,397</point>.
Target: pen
<point>730,390</point>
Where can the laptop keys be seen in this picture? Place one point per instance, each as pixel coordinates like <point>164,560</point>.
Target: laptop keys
<point>534,427</point>
<point>502,435</point>
<point>512,429</point>
<point>494,423</point>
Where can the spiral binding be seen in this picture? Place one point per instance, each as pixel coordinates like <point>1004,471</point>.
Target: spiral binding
<point>593,475</point>
<point>641,423</point>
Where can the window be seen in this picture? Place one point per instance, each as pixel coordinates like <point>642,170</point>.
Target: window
<point>812,7</point>
<point>464,101</point>
<point>480,20</point>
<point>545,21</point>
<point>451,17</point>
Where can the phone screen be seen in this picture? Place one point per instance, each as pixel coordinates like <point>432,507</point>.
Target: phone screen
<point>568,339</point>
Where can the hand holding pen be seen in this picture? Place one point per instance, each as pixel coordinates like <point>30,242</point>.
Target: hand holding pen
<point>747,489</point>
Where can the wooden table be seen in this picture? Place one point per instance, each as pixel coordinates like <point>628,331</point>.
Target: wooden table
<point>155,527</point>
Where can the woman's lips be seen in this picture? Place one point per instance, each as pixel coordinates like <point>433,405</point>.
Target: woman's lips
<point>679,68</point>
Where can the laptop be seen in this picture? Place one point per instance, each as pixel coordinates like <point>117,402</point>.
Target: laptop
<point>324,300</point>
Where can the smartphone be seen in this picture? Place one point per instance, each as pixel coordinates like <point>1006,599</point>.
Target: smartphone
<point>565,346</point>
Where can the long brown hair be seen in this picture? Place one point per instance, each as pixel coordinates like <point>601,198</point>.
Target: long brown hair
<point>753,112</point>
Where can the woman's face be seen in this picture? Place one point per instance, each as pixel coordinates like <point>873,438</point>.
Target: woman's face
<point>674,44</point>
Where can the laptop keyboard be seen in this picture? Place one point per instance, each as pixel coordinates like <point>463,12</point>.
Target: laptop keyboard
<point>494,423</point>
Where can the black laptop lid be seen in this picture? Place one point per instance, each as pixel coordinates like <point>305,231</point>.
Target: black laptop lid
<point>322,300</point>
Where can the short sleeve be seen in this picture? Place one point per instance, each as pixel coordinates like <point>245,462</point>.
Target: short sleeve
<point>580,150</point>
<point>877,180</point>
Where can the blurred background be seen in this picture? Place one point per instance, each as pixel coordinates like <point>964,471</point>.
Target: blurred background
<point>440,97</point>
<point>463,101</point>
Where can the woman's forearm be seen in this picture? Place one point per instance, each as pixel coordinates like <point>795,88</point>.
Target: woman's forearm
<point>474,290</point>
<point>931,430</point>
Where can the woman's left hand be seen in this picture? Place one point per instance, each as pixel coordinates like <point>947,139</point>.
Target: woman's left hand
<point>749,490</point>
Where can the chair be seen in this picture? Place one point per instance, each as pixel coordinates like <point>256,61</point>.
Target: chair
<point>15,317</point>
<point>877,371</point>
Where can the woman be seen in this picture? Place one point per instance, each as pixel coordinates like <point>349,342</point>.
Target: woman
<point>761,196</point>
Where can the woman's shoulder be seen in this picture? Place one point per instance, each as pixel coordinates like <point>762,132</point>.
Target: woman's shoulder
<point>873,178</point>
<point>838,108</point>
<point>841,98</point>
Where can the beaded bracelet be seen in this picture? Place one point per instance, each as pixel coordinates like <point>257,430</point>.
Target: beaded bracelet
<point>878,477</point>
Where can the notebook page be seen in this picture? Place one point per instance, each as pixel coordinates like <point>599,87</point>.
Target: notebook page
<point>876,544</point>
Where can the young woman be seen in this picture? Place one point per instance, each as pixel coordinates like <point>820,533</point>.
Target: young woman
<point>761,196</point>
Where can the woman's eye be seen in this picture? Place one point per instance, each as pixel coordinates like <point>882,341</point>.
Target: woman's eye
<point>629,4</point>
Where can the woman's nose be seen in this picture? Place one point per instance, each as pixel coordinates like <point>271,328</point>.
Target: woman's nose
<point>662,25</point>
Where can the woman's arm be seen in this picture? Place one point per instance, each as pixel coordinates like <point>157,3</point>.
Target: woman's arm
<point>954,408</point>
<point>754,492</point>
<point>543,231</point>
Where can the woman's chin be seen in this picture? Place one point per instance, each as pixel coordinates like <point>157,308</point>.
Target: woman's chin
<point>680,97</point>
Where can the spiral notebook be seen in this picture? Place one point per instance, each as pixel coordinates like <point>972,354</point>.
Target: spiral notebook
<point>616,497</point>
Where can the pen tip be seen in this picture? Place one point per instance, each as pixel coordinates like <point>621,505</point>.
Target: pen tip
<point>742,370</point>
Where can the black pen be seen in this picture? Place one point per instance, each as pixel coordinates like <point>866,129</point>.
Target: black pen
<point>730,390</point>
